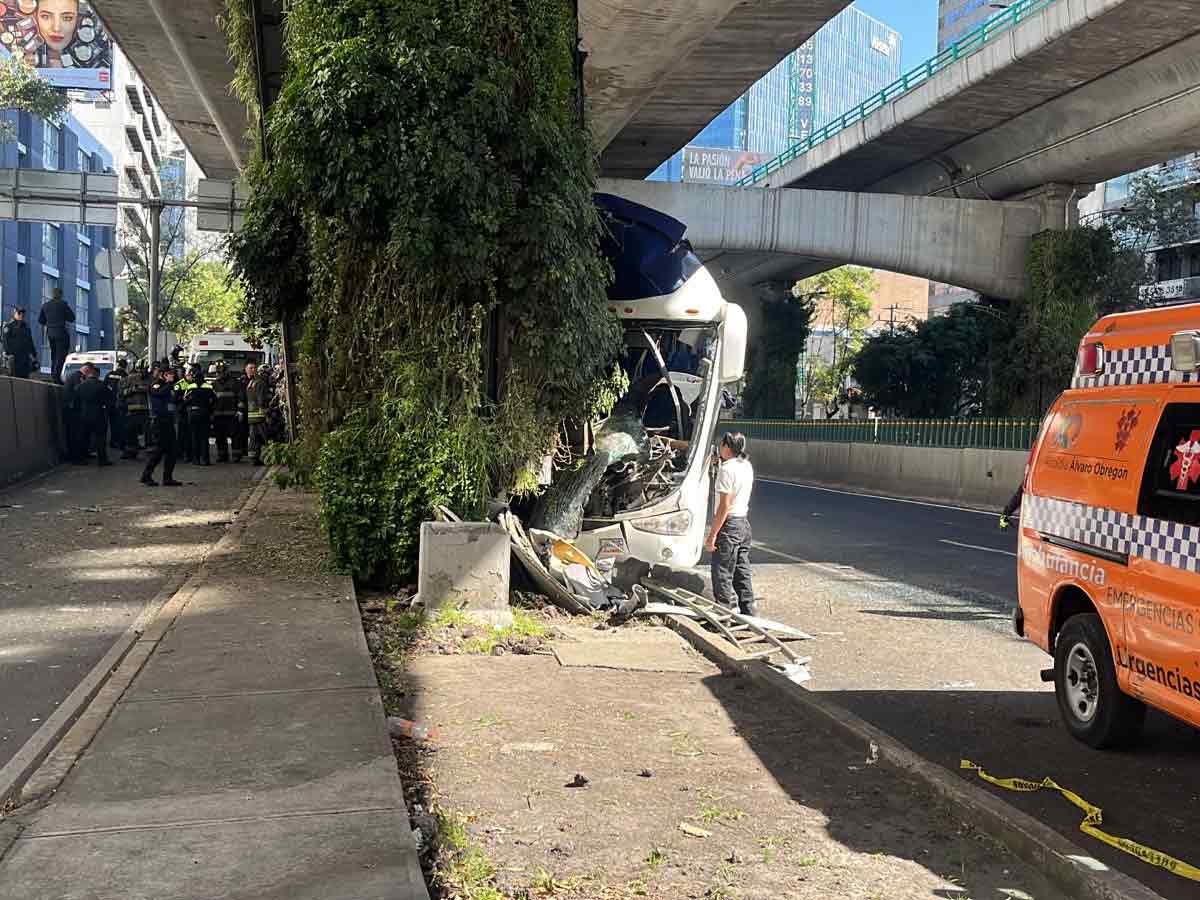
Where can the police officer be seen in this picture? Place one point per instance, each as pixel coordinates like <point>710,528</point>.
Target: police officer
<point>183,435</point>
<point>229,405</point>
<point>116,437</point>
<point>76,444</point>
<point>258,402</point>
<point>135,395</point>
<point>161,432</point>
<point>18,344</point>
<point>200,400</point>
<point>95,404</point>
<point>56,314</point>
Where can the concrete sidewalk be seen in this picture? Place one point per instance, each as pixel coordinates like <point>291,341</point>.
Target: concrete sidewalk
<point>247,758</point>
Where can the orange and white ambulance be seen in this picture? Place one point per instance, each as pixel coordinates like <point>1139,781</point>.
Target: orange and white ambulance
<point>1109,555</point>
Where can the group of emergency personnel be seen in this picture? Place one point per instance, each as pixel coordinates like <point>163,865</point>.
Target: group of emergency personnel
<point>173,411</point>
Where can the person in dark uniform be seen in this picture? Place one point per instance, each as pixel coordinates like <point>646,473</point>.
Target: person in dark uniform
<point>95,404</point>
<point>258,402</point>
<point>161,431</point>
<point>76,445</point>
<point>116,425</point>
<point>200,400</point>
<point>134,394</point>
<point>231,403</point>
<point>183,436</point>
<point>18,344</point>
<point>54,318</point>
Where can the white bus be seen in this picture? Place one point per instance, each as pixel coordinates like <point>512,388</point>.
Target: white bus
<point>684,343</point>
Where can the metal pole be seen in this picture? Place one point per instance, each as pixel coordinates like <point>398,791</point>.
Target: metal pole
<point>155,279</point>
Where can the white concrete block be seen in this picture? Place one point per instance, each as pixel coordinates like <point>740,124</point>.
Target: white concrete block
<point>466,565</point>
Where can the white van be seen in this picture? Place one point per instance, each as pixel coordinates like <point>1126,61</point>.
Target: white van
<point>104,360</point>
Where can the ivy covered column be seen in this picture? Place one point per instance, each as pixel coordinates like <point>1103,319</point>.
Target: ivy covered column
<point>428,168</point>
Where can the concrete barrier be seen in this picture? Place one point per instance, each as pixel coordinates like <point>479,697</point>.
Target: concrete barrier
<point>982,478</point>
<point>31,428</point>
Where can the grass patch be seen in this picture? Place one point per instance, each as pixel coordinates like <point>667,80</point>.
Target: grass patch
<point>462,865</point>
<point>524,627</point>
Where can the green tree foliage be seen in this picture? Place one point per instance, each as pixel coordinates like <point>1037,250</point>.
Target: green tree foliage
<point>783,332</point>
<point>427,194</point>
<point>931,369</point>
<point>1035,348</point>
<point>22,89</point>
<point>842,308</point>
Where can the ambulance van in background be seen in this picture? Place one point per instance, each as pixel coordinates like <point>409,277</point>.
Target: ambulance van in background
<point>1109,548</point>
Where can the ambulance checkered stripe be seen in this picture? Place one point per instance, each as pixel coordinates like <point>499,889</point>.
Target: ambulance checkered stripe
<point>1135,365</point>
<point>1168,543</point>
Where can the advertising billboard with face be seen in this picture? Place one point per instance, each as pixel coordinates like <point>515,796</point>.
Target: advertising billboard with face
<point>63,39</point>
<point>712,165</point>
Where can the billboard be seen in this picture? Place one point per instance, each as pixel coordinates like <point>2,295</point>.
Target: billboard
<point>713,165</point>
<point>63,39</point>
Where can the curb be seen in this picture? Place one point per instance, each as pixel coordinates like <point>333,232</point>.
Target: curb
<point>44,760</point>
<point>1027,838</point>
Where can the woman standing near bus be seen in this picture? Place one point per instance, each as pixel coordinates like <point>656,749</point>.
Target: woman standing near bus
<point>729,537</point>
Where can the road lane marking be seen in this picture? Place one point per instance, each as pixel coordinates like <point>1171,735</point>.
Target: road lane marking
<point>977,547</point>
<point>813,487</point>
<point>832,570</point>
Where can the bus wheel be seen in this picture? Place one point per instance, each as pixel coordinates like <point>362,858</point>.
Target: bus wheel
<point>1093,708</point>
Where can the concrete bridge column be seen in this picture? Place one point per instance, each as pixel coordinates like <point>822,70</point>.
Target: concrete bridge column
<point>1058,202</point>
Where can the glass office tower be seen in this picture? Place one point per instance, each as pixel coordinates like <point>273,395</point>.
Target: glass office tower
<point>848,60</point>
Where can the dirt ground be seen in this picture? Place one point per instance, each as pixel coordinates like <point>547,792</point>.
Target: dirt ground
<point>694,785</point>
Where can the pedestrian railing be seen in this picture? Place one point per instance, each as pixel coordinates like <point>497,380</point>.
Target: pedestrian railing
<point>961,48</point>
<point>982,434</point>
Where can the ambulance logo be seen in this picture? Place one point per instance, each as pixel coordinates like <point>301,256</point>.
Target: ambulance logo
<point>1068,431</point>
<point>1186,468</point>
<point>1125,428</point>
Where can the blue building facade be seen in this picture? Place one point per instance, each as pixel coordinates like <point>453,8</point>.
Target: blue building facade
<point>851,58</point>
<point>36,258</point>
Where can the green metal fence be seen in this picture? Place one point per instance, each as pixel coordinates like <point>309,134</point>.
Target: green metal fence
<point>983,434</point>
<point>963,47</point>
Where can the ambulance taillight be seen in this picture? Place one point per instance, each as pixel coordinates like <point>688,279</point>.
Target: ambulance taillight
<point>1185,351</point>
<point>1091,359</point>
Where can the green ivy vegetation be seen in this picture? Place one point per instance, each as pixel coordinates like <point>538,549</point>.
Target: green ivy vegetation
<point>1034,348</point>
<point>427,193</point>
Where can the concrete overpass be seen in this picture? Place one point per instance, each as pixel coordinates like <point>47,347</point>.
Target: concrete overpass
<point>979,244</point>
<point>656,72</point>
<point>1076,93</point>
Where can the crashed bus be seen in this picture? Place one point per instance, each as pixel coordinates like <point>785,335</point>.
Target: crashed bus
<point>644,488</point>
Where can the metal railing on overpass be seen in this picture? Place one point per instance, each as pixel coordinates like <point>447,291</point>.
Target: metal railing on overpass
<point>980,434</point>
<point>963,47</point>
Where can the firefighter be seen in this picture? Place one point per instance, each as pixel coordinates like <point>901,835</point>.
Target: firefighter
<point>94,404</point>
<point>116,429</point>
<point>183,439</point>
<point>161,430</point>
<point>134,394</point>
<point>258,402</point>
<point>230,405</point>
<point>200,400</point>
<point>76,443</point>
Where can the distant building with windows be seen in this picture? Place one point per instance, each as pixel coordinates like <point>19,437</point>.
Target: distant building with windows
<point>851,58</point>
<point>36,257</point>
<point>959,17</point>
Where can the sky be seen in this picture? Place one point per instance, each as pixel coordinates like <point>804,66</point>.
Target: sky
<point>916,20</point>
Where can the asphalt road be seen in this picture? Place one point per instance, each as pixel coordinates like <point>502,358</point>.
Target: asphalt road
<point>910,605</point>
<point>85,549</point>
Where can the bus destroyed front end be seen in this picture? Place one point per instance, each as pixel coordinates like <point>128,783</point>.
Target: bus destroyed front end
<point>637,486</point>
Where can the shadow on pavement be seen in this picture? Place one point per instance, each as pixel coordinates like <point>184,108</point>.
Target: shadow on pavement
<point>1148,793</point>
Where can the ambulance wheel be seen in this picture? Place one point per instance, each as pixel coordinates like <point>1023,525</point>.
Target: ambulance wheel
<point>1093,708</point>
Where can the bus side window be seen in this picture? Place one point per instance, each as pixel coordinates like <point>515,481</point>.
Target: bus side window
<point>1171,482</point>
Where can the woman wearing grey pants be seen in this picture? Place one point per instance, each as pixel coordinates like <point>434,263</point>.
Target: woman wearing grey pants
<point>729,537</point>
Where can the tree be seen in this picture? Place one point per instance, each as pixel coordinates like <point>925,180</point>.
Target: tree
<point>784,329</point>
<point>22,89</point>
<point>931,369</point>
<point>1160,211</point>
<point>841,315</point>
<point>189,270</point>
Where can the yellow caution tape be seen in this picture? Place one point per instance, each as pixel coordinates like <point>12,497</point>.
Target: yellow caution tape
<point>1092,820</point>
